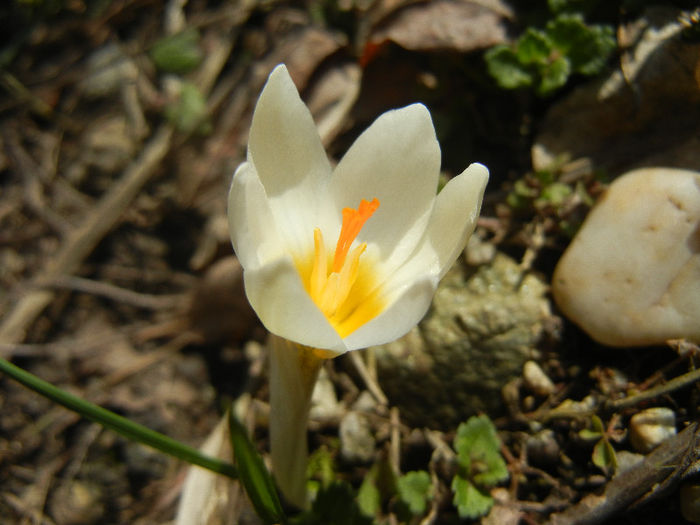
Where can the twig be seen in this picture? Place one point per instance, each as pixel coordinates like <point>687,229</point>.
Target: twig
<point>370,382</point>
<point>115,293</point>
<point>674,384</point>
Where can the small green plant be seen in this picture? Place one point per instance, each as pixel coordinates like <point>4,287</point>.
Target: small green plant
<point>415,490</point>
<point>545,59</point>
<point>189,112</point>
<point>481,466</point>
<point>603,456</point>
<point>178,53</point>
<point>334,505</point>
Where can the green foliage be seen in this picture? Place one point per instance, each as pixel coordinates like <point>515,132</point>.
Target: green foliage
<point>471,502</point>
<point>334,505</point>
<point>545,59</point>
<point>481,466</point>
<point>603,456</point>
<point>415,490</point>
<point>189,112</point>
<point>369,498</point>
<point>254,476</point>
<point>320,470</point>
<point>178,53</point>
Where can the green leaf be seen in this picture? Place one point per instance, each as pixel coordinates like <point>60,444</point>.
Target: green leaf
<point>589,435</point>
<point>604,456</point>
<point>415,489</point>
<point>178,53</point>
<point>534,47</point>
<point>334,505</point>
<point>554,194</point>
<point>321,464</point>
<point>256,479</point>
<point>117,423</point>
<point>470,501</point>
<point>478,451</point>
<point>503,65</point>
<point>554,76</point>
<point>189,113</point>
<point>587,47</point>
<point>369,499</point>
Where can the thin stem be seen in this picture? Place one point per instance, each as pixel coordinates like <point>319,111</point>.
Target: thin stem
<point>117,423</point>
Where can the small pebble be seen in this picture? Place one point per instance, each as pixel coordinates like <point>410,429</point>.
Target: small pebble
<point>650,427</point>
<point>356,441</point>
<point>536,380</point>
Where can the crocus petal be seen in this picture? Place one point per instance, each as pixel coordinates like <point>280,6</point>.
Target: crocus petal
<point>409,301</point>
<point>286,150</point>
<point>396,160</point>
<point>452,222</point>
<point>277,295</point>
<point>454,216</point>
<point>251,224</point>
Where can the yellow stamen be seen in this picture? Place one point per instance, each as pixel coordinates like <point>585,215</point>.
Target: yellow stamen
<point>330,290</point>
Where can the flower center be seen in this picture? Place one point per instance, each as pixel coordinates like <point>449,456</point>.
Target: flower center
<point>330,289</point>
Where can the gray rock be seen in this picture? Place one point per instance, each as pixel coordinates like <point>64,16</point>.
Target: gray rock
<point>481,329</point>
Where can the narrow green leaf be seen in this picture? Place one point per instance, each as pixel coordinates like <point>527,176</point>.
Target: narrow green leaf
<point>117,423</point>
<point>256,479</point>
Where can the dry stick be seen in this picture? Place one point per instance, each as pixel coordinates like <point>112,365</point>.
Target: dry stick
<point>674,384</point>
<point>116,293</point>
<point>80,242</point>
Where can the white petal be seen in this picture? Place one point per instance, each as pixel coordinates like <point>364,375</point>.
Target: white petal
<point>251,224</point>
<point>278,297</point>
<point>396,160</point>
<point>451,224</point>
<point>408,304</point>
<point>285,148</point>
<point>454,217</point>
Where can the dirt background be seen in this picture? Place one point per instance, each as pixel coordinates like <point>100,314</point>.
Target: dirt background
<point>117,280</point>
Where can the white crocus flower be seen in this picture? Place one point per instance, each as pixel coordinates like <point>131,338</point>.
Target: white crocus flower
<point>336,259</point>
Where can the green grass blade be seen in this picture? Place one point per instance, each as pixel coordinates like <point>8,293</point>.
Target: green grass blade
<point>256,479</point>
<point>117,423</point>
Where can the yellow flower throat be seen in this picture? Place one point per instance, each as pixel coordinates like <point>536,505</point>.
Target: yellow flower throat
<point>344,288</point>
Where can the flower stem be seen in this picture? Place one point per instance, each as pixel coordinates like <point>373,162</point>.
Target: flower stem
<point>293,372</point>
<point>117,423</point>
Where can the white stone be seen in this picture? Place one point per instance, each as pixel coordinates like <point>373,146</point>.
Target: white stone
<point>631,276</point>
<point>536,379</point>
<point>650,427</point>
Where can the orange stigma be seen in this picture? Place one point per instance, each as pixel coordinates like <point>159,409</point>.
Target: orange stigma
<point>353,221</point>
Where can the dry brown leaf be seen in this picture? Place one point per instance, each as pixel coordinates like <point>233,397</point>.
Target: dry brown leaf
<point>445,25</point>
